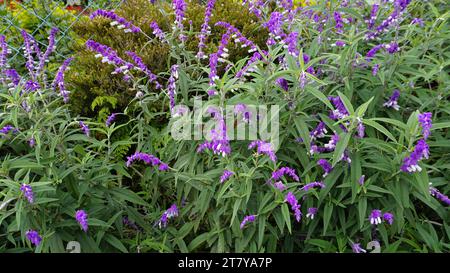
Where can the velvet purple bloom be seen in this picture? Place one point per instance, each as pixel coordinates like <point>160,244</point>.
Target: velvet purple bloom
<point>226,175</point>
<point>410,163</point>
<point>318,184</point>
<point>283,83</point>
<point>33,237</point>
<point>389,218</point>
<point>247,219</point>
<point>27,192</point>
<point>110,119</point>
<point>326,166</point>
<point>206,29</point>
<point>311,213</point>
<point>392,102</point>
<point>440,196</point>
<point>425,123</point>
<point>319,131</point>
<point>84,128</point>
<point>82,218</point>
<point>171,212</point>
<point>58,82</point>
<point>375,217</point>
<point>263,147</point>
<point>356,248</point>
<point>285,171</point>
<point>295,207</point>
<point>118,21</point>
<point>148,159</point>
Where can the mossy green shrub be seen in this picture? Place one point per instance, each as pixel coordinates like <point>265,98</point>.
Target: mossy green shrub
<point>96,90</point>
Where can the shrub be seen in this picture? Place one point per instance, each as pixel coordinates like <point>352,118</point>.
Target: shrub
<point>92,81</point>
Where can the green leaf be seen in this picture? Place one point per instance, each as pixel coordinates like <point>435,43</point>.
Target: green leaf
<point>286,216</point>
<point>316,93</point>
<point>340,147</point>
<point>112,240</point>
<point>380,128</point>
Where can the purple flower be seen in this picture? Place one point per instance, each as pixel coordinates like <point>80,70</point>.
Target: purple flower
<point>361,180</point>
<point>4,53</point>
<point>339,22</point>
<point>12,76</point>
<point>243,110</point>
<point>436,193</point>
<point>206,29</point>
<point>311,213</point>
<point>314,149</point>
<point>140,65</point>
<point>226,175</point>
<point>340,112</point>
<point>31,86</point>
<point>425,123</point>
<point>28,53</point>
<point>360,129</point>
<point>82,218</point>
<point>110,119</point>
<point>50,48</point>
<point>171,212</point>
<point>331,145</point>
<point>84,128</point>
<point>392,47</point>
<point>303,80</point>
<point>27,192</point>
<point>392,102</point>
<point>410,163</point>
<point>375,69</point>
<point>388,217</point>
<point>319,131</point>
<point>371,53</point>
<point>263,148</point>
<point>247,219</point>
<point>276,175</point>
<point>375,217</point>
<point>291,44</point>
<point>339,43</point>
<point>248,66</point>
<point>118,21</point>
<point>148,159</point>
<point>58,82</point>
<point>417,21</point>
<point>157,31</point>
<point>34,237</point>
<point>179,7</point>
<point>279,186</point>
<point>326,166</point>
<point>356,248</point>
<point>295,207</point>
<point>7,129</point>
<point>171,87</point>
<point>283,83</point>
<point>311,185</point>
<point>373,16</point>
<point>219,143</point>
<point>32,142</point>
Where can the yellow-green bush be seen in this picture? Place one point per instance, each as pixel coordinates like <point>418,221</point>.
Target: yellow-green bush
<point>90,79</point>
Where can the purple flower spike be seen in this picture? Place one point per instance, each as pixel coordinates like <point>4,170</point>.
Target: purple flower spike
<point>140,65</point>
<point>247,219</point>
<point>283,83</point>
<point>50,48</point>
<point>110,119</point>
<point>148,159</point>
<point>118,21</point>
<point>263,148</point>
<point>319,131</point>
<point>360,129</point>
<point>171,87</point>
<point>295,207</point>
<point>311,213</point>
<point>392,102</point>
<point>84,128</point>
<point>157,31</point>
<point>356,248</point>
<point>34,237</point>
<point>410,163</point>
<point>388,217</point>
<point>171,212</point>
<point>318,184</point>
<point>82,218</point>
<point>7,129</point>
<point>372,52</point>
<point>375,217</point>
<point>391,48</point>
<point>58,82</point>
<point>226,175</point>
<point>339,22</point>
<point>436,193</point>
<point>425,122</point>
<point>27,192</point>
<point>362,180</point>
<point>206,29</point>
<point>375,69</point>
<point>276,175</point>
<point>326,166</point>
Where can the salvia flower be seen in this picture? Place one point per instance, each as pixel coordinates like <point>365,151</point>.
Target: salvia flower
<point>425,123</point>
<point>436,193</point>
<point>206,29</point>
<point>243,110</point>
<point>279,186</point>
<point>340,112</point>
<point>4,53</point>
<point>82,218</point>
<point>375,217</point>
<point>157,31</point>
<point>12,76</point>
<point>326,166</point>
<point>140,65</point>
<point>110,119</point>
<point>34,237</point>
<point>375,69</point>
<point>410,163</point>
<point>339,22</point>
<point>263,147</point>
<point>148,159</point>
<point>171,212</point>
<point>28,53</point>
<point>84,128</point>
<point>58,82</point>
<point>311,213</point>
<point>219,142</point>
<point>283,83</point>
<point>360,129</point>
<point>339,43</point>
<point>392,102</point>
<point>50,48</point>
<point>171,87</point>
<point>371,53</point>
<point>389,218</point>
<point>27,192</point>
<point>417,21</point>
<point>226,175</point>
<point>291,43</point>
<point>276,175</point>
<point>331,145</point>
<point>318,184</point>
<point>118,21</point>
<point>295,207</point>
<point>319,131</point>
<point>356,248</point>
<point>247,219</point>
<point>362,180</point>
<point>373,16</point>
<point>392,47</point>
<point>8,129</point>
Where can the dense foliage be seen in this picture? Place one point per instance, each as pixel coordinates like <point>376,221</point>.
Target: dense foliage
<point>362,152</point>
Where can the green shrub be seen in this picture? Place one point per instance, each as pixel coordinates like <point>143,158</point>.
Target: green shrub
<point>90,79</point>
